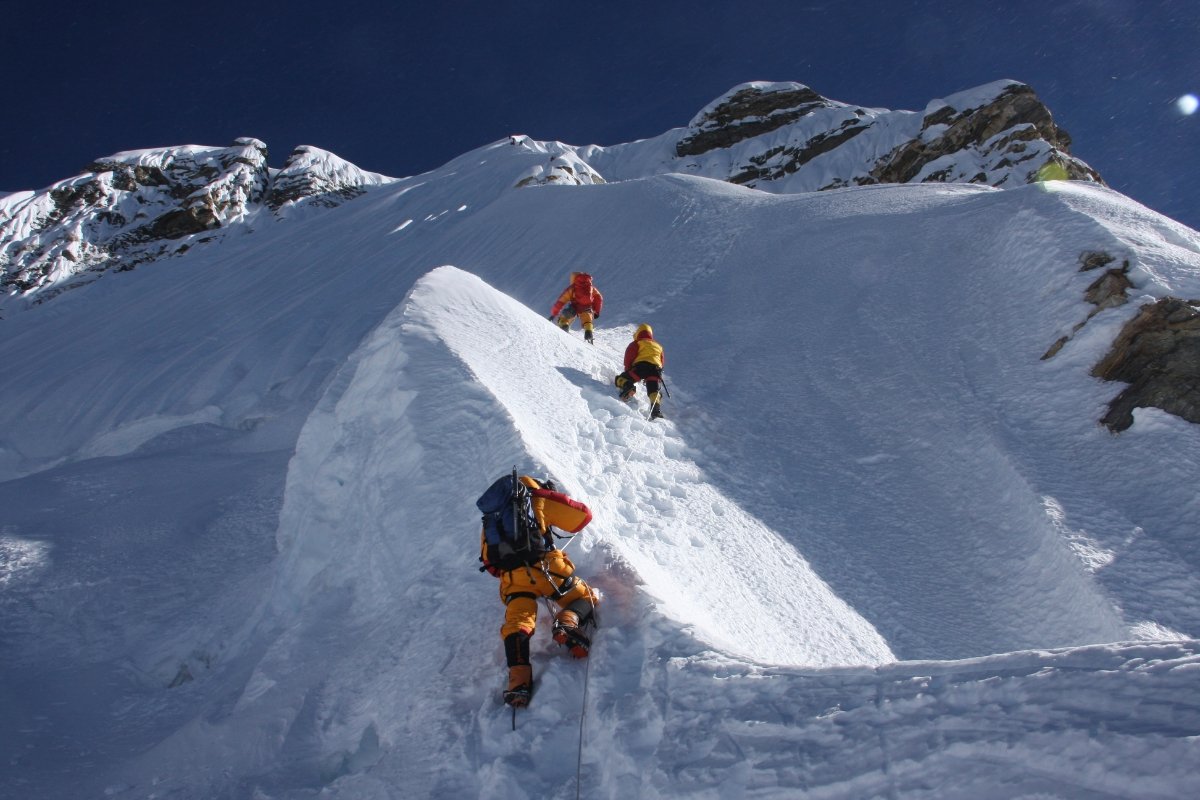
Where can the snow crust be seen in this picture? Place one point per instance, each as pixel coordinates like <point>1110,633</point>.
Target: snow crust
<point>877,549</point>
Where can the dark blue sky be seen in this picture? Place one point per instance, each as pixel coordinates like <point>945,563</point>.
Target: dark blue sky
<point>400,87</point>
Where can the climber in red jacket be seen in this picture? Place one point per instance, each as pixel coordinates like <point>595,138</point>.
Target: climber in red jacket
<point>580,299</point>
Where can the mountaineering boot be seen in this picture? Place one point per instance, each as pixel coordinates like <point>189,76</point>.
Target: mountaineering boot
<point>587,335</point>
<point>626,386</point>
<point>520,685</point>
<point>655,403</point>
<point>569,627</point>
<point>568,634</point>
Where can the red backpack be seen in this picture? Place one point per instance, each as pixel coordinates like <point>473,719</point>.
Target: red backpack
<point>582,289</point>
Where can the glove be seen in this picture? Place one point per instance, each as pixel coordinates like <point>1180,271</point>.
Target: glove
<point>551,317</point>
<point>596,315</point>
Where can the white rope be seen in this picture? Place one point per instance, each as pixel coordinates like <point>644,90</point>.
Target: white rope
<point>587,670</point>
<point>582,711</point>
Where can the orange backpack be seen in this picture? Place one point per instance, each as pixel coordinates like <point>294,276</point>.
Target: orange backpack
<point>562,511</point>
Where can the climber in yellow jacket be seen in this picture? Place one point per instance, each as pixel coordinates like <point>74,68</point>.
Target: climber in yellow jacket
<point>644,361</point>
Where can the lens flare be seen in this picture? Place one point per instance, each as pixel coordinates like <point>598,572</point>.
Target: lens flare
<point>1188,104</point>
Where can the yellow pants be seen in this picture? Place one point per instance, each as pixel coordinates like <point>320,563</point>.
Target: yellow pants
<point>567,317</point>
<point>628,387</point>
<point>521,588</point>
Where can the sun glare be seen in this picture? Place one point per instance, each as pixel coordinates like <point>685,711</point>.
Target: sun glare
<point>1188,104</point>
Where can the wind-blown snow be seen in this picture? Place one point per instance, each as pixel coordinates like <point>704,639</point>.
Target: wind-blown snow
<point>877,549</point>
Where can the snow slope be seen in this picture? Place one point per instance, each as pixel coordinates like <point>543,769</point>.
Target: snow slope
<point>878,548</point>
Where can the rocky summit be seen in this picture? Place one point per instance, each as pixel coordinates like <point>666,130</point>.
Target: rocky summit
<point>786,138</point>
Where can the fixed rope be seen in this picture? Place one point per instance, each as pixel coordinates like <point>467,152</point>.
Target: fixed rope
<point>582,711</point>
<point>587,670</point>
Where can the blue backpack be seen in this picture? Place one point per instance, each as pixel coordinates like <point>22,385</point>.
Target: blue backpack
<point>511,537</point>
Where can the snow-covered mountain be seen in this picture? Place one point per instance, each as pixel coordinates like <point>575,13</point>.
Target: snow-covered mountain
<point>881,546</point>
<point>784,137</point>
<point>778,137</point>
<point>144,205</point>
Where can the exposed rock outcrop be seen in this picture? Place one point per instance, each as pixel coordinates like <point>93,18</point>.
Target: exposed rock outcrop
<point>1158,354</point>
<point>1107,291</point>
<point>1001,130</point>
<point>748,111</point>
<point>1110,289</point>
<point>786,138</point>
<point>125,210</point>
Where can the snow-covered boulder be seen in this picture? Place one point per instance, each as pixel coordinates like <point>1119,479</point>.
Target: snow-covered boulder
<point>564,168</point>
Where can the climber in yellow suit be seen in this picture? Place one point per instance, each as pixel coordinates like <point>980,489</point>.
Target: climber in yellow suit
<point>540,570</point>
